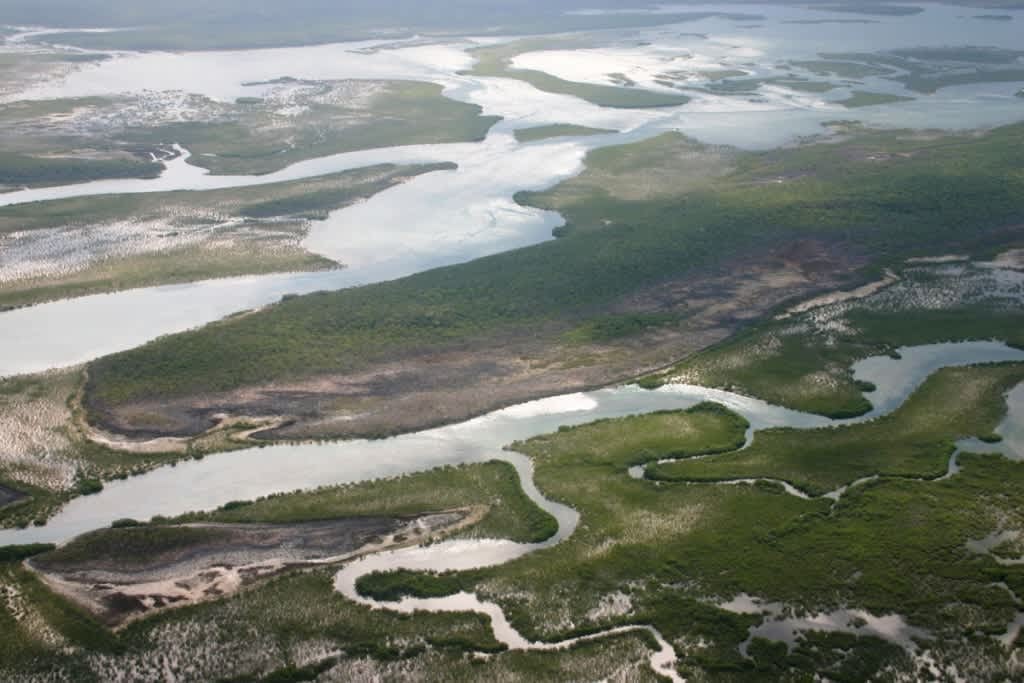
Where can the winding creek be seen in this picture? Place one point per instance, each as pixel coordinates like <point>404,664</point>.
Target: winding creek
<point>248,474</point>
<point>449,217</point>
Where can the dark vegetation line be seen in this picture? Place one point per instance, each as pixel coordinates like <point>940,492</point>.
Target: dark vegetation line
<point>18,170</point>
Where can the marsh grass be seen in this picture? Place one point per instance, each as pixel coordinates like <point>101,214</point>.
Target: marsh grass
<point>914,441</point>
<point>538,133</point>
<point>895,546</point>
<point>954,190</point>
<point>494,484</point>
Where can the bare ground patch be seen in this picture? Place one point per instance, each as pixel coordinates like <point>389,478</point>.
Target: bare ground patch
<point>119,586</point>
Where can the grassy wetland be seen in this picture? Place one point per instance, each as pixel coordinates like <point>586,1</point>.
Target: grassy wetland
<point>878,545</point>
<point>647,551</point>
<point>538,133</point>
<point>74,247</point>
<point>292,120</point>
<point>716,537</point>
<point>640,264</point>
<point>802,360</point>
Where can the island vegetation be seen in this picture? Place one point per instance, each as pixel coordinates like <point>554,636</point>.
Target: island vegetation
<point>625,246</point>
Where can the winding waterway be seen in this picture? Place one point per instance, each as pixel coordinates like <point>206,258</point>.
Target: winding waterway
<point>251,473</point>
<point>896,379</point>
<point>450,217</point>
<point>248,474</point>
<point>258,472</point>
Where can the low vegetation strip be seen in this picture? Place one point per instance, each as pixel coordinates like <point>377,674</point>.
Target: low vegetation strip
<point>890,193</point>
<point>81,246</point>
<point>494,485</point>
<point>20,170</point>
<point>556,131</point>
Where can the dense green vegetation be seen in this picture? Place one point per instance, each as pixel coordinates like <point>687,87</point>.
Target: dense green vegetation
<point>861,98</point>
<point>494,484</point>
<point>14,553</point>
<point>928,69</point>
<point>556,131</point>
<point>894,546</point>
<point>400,113</point>
<point>914,441</point>
<point>880,9</point>
<point>890,194</point>
<point>20,170</point>
<point>841,69</point>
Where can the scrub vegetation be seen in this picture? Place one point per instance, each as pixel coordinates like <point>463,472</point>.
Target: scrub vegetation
<point>556,131</point>
<point>302,120</point>
<point>803,361</point>
<point>19,170</point>
<point>629,231</point>
<point>646,552</point>
<point>74,247</point>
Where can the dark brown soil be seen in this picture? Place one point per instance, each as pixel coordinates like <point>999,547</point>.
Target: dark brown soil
<point>225,545</point>
<point>121,575</point>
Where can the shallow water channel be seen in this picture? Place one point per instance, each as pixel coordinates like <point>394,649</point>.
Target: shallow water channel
<point>217,479</point>
<point>449,217</point>
<point>454,216</point>
<point>251,473</point>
